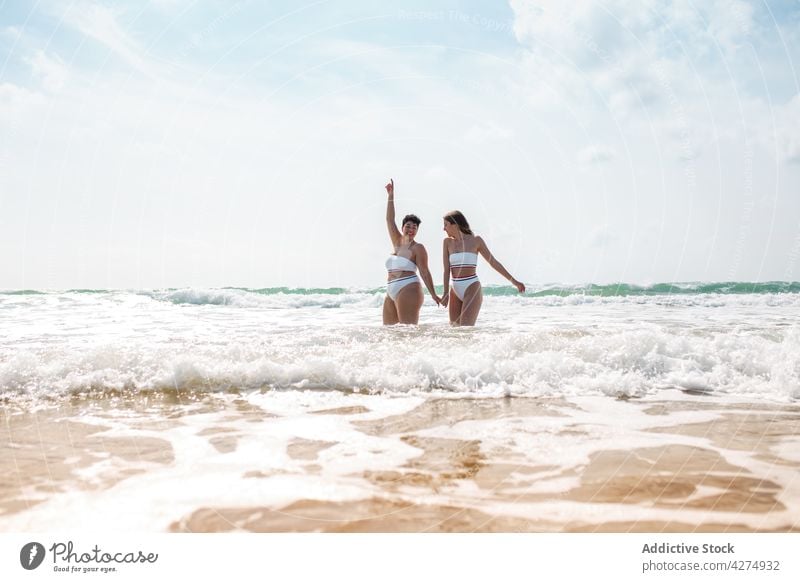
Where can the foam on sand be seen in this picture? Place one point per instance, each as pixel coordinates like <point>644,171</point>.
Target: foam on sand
<point>310,461</point>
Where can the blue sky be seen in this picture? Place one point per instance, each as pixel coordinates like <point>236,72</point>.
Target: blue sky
<point>177,143</point>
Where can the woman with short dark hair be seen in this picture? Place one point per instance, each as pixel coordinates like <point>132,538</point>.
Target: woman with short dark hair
<point>403,291</point>
<point>461,249</point>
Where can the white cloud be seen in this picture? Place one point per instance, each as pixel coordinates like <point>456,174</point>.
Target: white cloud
<point>483,133</point>
<point>596,154</point>
<point>438,173</point>
<point>594,35</point>
<point>586,50</point>
<point>52,71</point>
<point>676,68</point>
<point>100,24</point>
<point>788,137</point>
<point>629,51</point>
<point>16,101</point>
<point>11,32</point>
<point>601,237</point>
<point>170,4</point>
<point>731,23</point>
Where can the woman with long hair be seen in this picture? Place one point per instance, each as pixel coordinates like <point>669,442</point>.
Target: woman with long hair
<point>460,255</point>
<point>403,292</point>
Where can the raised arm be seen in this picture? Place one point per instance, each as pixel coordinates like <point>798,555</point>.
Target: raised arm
<point>446,275</point>
<point>497,266</point>
<point>422,264</point>
<point>394,234</point>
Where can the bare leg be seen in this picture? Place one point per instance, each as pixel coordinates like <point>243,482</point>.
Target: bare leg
<point>454,308</point>
<point>389,312</point>
<point>473,299</point>
<point>409,302</point>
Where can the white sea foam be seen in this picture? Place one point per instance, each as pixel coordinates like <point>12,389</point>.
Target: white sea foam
<point>61,343</point>
<point>259,472</point>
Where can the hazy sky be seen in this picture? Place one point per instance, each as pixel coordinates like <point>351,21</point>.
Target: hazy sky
<point>214,143</point>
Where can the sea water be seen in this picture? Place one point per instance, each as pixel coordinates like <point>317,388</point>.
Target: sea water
<point>577,408</point>
<point>725,339</point>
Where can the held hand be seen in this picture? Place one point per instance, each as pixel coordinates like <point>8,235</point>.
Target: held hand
<point>445,299</point>
<point>520,286</point>
<point>390,187</point>
<point>437,299</point>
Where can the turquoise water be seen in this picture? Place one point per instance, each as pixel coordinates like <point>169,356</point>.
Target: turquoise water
<point>545,290</point>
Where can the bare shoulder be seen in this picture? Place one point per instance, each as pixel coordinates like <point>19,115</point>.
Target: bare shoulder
<point>479,244</point>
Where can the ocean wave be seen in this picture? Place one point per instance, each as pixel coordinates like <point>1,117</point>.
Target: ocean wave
<point>666,289</point>
<point>665,294</point>
<point>619,363</point>
<point>275,298</point>
<point>219,296</point>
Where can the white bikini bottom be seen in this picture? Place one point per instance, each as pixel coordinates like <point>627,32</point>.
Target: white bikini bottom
<point>393,287</point>
<point>460,285</point>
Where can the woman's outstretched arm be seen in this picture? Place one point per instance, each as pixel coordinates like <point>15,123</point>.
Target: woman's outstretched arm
<point>424,272</point>
<point>394,234</point>
<point>497,266</point>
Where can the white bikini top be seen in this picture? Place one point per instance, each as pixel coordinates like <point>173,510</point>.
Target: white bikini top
<point>395,264</point>
<point>463,260</point>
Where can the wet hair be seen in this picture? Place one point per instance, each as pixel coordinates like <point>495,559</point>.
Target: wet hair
<point>455,217</point>
<point>411,218</point>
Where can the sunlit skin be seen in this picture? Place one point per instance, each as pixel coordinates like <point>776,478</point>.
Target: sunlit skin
<point>466,312</point>
<point>406,307</point>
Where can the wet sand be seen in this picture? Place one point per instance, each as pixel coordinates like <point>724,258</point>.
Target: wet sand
<point>238,463</point>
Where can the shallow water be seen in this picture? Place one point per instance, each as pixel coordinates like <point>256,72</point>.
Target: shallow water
<point>61,343</point>
<point>295,410</point>
<point>332,461</point>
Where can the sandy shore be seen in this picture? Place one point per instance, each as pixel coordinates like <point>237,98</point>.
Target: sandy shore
<point>340,463</point>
